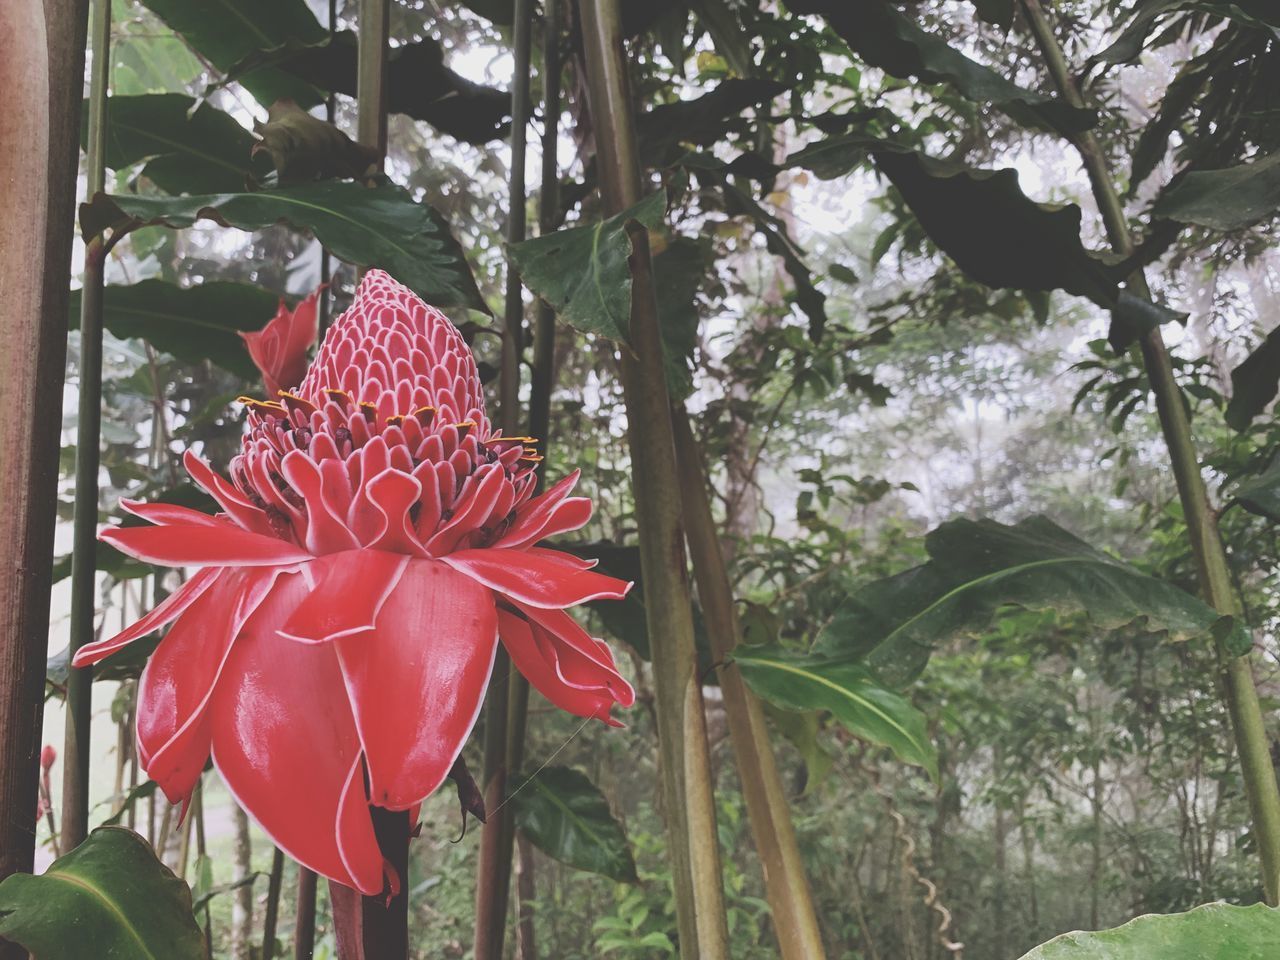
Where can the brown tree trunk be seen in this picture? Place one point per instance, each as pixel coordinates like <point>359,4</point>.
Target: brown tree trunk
<point>41,72</point>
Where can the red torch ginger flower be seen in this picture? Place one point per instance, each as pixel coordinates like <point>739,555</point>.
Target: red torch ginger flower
<point>377,539</point>
<point>279,350</point>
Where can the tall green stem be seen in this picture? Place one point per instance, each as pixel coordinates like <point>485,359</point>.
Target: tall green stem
<point>507,701</point>
<point>786,885</point>
<point>686,765</point>
<point>1202,523</point>
<point>84,589</point>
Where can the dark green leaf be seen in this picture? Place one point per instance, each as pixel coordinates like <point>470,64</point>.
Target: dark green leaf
<point>892,41</point>
<point>844,687</point>
<point>140,792</point>
<point>1253,13</point>
<point>1254,382</point>
<point>566,817</point>
<point>224,32</point>
<point>419,84</point>
<point>1226,199</point>
<point>996,12</point>
<point>1261,494</point>
<point>678,273</point>
<point>109,898</point>
<point>583,271</point>
<point>702,121</point>
<point>305,148</point>
<point>182,152</point>
<point>191,323</point>
<point>1215,931</point>
<point>978,566</point>
<point>1133,317</point>
<point>801,729</point>
<point>380,226</point>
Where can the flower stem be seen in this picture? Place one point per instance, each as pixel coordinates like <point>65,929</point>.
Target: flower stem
<point>1210,555</point>
<point>377,927</point>
<point>688,799</point>
<point>272,912</point>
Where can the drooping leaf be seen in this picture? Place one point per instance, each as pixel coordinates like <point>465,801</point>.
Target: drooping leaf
<point>892,41</point>
<point>702,121</point>
<point>801,729</point>
<point>227,31</point>
<point>1133,317</point>
<point>191,323</point>
<point>1214,931</point>
<point>304,148</point>
<point>419,83</point>
<point>379,226</point>
<point>108,898</point>
<point>583,272</point>
<point>567,817</point>
<point>181,151</point>
<point>998,13</point>
<point>1261,494</point>
<point>978,566</point>
<point>1146,14</point>
<point>1227,199</point>
<point>848,690</point>
<point>1254,383</point>
<point>140,792</point>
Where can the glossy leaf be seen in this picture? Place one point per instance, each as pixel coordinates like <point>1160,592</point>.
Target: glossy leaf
<point>845,688</point>
<point>583,271</point>
<point>109,898</point>
<point>181,151</point>
<point>1227,199</point>
<point>191,323</point>
<point>895,43</point>
<point>227,31</point>
<point>978,566</point>
<point>1215,931</point>
<point>566,816</point>
<point>380,226</point>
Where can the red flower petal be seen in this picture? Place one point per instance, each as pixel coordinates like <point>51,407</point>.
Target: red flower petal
<point>536,578</point>
<point>585,662</point>
<point>347,591</point>
<point>229,498</point>
<point>164,612</point>
<point>173,730</point>
<point>200,545</point>
<point>167,514</point>
<point>547,515</point>
<point>326,529</point>
<point>285,743</point>
<point>536,659</point>
<point>416,681</point>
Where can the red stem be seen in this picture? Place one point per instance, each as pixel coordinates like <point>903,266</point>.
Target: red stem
<point>377,928</point>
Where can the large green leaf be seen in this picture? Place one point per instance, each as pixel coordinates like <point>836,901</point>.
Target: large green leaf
<point>1215,931</point>
<point>978,566</point>
<point>419,83</point>
<point>567,817</point>
<point>583,271</point>
<point>1226,199</point>
<point>847,689</point>
<point>379,226</point>
<point>191,323</point>
<point>703,120</point>
<point>109,898</point>
<point>895,43</point>
<point>224,32</point>
<point>204,151</point>
<point>1254,383</point>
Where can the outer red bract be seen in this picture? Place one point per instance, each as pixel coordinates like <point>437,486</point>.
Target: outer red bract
<point>377,539</point>
<point>279,350</point>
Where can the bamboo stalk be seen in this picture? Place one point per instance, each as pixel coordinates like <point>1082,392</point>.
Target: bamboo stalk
<point>272,911</point>
<point>786,884</point>
<point>507,701</point>
<point>75,753</point>
<point>1210,555</point>
<point>686,763</point>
